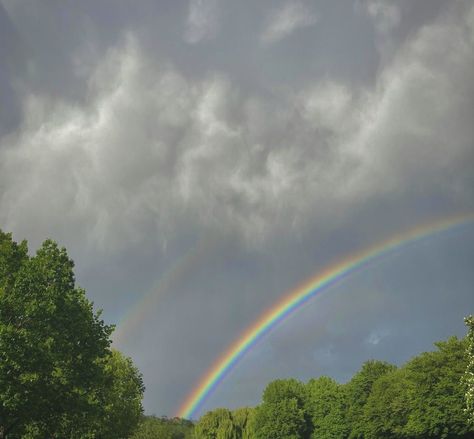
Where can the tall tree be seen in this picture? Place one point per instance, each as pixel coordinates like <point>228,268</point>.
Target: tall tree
<point>152,427</point>
<point>437,398</point>
<point>326,404</point>
<point>52,344</point>
<point>468,378</point>
<point>282,412</point>
<point>358,391</point>
<point>244,421</point>
<point>388,406</point>
<point>12,256</point>
<point>122,397</point>
<point>217,424</point>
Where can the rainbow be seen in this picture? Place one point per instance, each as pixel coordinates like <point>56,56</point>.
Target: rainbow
<point>297,297</point>
<point>138,312</point>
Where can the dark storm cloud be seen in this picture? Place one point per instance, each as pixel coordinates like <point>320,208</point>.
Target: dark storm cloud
<point>318,130</point>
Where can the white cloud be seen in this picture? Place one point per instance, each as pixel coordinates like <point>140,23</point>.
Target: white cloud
<point>202,21</point>
<point>284,21</point>
<point>328,105</point>
<point>414,129</point>
<point>376,336</point>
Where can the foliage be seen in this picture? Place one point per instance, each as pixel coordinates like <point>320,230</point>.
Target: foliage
<point>244,419</point>
<point>387,408</point>
<point>468,378</point>
<point>358,391</point>
<point>282,413</point>
<point>122,398</point>
<point>326,404</point>
<point>58,377</point>
<point>217,424</point>
<point>51,342</point>
<point>151,427</point>
<point>12,257</point>
<point>437,396</point>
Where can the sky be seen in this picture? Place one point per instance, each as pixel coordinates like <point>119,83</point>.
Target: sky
<point>201,158</point>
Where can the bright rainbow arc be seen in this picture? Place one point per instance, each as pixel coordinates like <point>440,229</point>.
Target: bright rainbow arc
<point>297,298</point>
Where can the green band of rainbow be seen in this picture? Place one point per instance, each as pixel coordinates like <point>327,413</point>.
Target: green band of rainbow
<point>297,298</point>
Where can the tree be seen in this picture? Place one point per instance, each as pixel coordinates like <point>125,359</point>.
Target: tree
<point>152,427</point>
<point>53,346</point>
<point>12,256</point>
<point>216,424</point>
<point>358,391</point>
<point>326,404</point>
<point>388,406</point>
<point>468,378</point>
<point>122,397</point>
<point>437,397</point>
<point>282,413</point>
<point>244,420</point>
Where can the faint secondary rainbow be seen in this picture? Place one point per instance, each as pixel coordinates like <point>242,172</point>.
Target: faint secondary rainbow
<point>146,304</point>
<point>297,297</point>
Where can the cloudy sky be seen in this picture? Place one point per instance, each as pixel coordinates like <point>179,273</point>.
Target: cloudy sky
<point>200,158</point>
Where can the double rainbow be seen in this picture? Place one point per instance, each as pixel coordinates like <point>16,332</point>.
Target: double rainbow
<point>297,297</point>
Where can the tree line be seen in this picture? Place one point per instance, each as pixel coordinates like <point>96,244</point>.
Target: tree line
<point>431,396</point>
<point>60,378</point>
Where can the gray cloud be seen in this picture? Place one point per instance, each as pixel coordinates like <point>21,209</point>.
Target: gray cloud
<point>283,21</point>
<point>150,143</point>
<point>203,20</point>
<point>386,14</point>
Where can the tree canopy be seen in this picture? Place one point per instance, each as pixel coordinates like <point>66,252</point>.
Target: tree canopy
<point>468,378</point>
<point>282,412</point>
<point>358,392</point>
<point>58,376</point>
<point>151,427</point>
<point>122,397</point>
<point>326,405</point>
<point>436,400</point>
<point>217,424</point>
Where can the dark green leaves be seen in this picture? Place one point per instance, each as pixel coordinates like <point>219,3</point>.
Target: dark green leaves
<point>468,377</point>
<point>58,376</point>
<point>282,413</point>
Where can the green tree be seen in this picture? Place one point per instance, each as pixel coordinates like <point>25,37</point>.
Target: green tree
<point>122,397</point>
<point>52,345</point>
<point>437,394</point>
<point>244,420</point>
<point>468,378</point>
<point>151,427</point>
<point>358,391</point>
<point>326,404</point>
<point>388,406</point>
<point>217,424</point>
<point>282,412</point>
<point>12,257</point>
